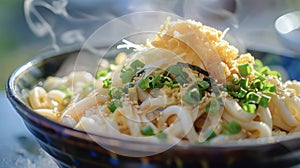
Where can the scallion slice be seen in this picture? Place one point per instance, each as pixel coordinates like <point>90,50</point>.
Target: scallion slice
<point>192,97</point>
<point>252,96</point>
<point>137,64</point>
<point>106,83</point>
<point>264,70</point>
<point>161,135</point>
<point>242,93</point>
<point>264,101</point>
<point>269,88</point>
<point>244,69</point>
<point>168,82</point>
<point>258,84</point>
<point>203,85</point>
<point>249,107</point>
<point>114,104</point>
<point>144,83</point>
<point>115,93</point>
<point>258,64</point>
<point>156,81</point>
<point>235,79</point>
<point>180,80</point>
<point>147,131</point>
<point>230,86</point>
<point>244,83</point>
<point>231,128</point>
<point>213,106</point>
<point>101,73</point>
<point>127,86</point>
<point>127,74</point>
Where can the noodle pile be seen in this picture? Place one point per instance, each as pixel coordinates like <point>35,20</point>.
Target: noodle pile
<point>187,84</point>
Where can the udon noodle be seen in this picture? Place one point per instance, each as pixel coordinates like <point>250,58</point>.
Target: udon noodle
<point>188,83</point>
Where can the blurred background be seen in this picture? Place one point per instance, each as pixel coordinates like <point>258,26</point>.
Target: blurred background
<point>31,27</point>
<point>14,34</point>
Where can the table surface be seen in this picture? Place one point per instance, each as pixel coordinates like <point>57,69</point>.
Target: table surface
<point>18,148</point>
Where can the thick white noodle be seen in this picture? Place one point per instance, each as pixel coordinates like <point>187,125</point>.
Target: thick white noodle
<point>283,111</point>
<point>234,109</point>
<point>76,110</point>
<point>276,119</point>
<point>186,120</point>
<point>265,116</point>
<point>39,98</point>
<point>293,103</point>
<point>133,120</point>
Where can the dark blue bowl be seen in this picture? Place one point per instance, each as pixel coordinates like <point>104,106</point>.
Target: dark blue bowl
<point>73,148</point>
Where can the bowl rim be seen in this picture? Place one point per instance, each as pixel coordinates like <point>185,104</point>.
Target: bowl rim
<point>13,97</point>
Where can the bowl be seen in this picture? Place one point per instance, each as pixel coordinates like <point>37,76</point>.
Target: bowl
<point>74,148</point>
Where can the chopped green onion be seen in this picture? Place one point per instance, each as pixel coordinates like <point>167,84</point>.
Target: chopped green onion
<point>156,81</point>
<point>258,64</point>
<point>235,79</point>
<point>106,83</point>
<point>244,69</point>
<point>127,86</point>
<point>269,88</point>
<point>244,82</point>
<point>242,93</point>
<point>175,85</point>
<point>213,106</point>
<point>258,84</point>
<point>264,70</point>
<point>144,83</point>
<point>101,73</point>
<point>127,74</point>
<point>203,85</point>
<point>180,80</point>
<point>161,135</point>
<point>261,78</point>
<point>192,97</point>
<point>150,78</point>
<point>137,64</point>
<point>249,107</point>
<point>66,100</point>
<point>114,104</point>
<point>147,130</point>
<point>234,94</point>
<point>168,82</point>
<point>115,93</point>
<point>231,128</point>
<point>264,101</point>
<point>252,96</point>
<point>230,86</point>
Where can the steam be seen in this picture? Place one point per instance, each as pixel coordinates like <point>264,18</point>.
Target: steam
<point>37,22</point>
<point>71,23</point>
<point>53,19</point>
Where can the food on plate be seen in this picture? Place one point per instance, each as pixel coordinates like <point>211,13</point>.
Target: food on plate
<point>187,84</point>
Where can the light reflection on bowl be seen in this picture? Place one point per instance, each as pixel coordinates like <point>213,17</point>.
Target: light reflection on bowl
<point>287,27</point>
